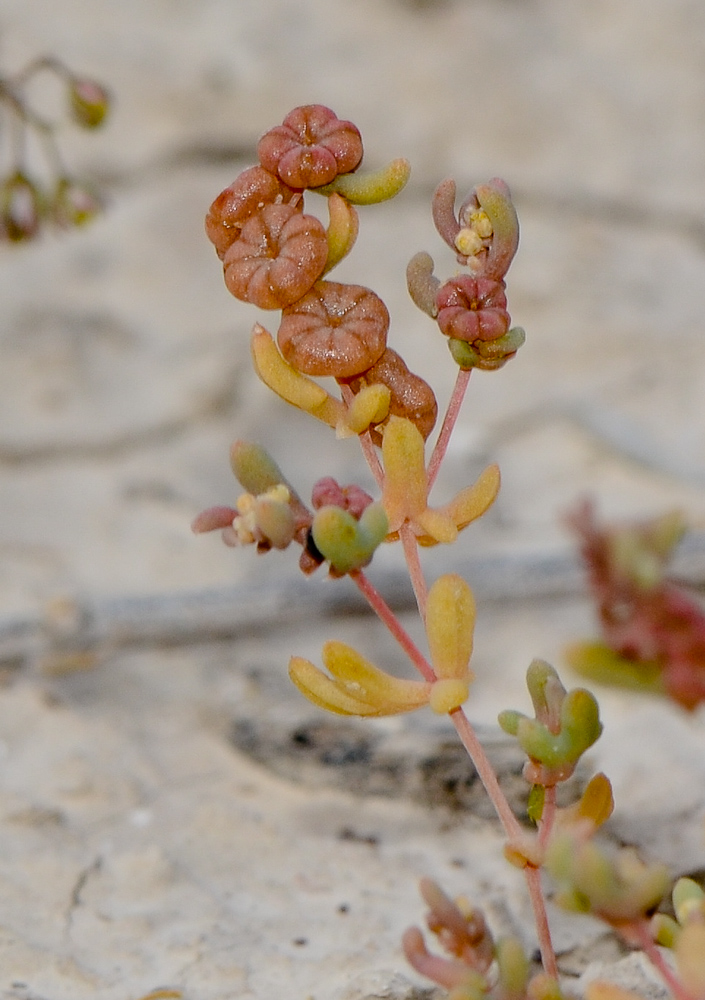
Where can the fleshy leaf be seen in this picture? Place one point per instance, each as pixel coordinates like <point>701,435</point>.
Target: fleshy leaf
<point>370,187</point>
<point>405,482</point>
<point>688,900</point>
<point>323,691</point>
<point>254,467</point>
<point>597,802</point>
<point>597,662</point>
<point>495,200</point>
<point>290,384</point>
<point>513,968</point>
<point>367,682</point>
<point>473,501</point>
<point>690,949</point>
<point>347,543</point>
<point>617,887</point>
<point>342,230</point>
<point>450,620</point>
<point>369,406</point>
<point>422,283</point>
<point>356,687</point>
<point>275,519</point>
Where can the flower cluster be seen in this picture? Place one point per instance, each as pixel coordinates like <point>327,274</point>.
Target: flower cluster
<point>471,308</point>
<point>27,201</point>
<point>277,256</point>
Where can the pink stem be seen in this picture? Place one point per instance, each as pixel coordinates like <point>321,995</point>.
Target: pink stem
<point>372,458</point>
<point>513,831</point>
<point>365,439</point>
<point>543,931</point>
<point>548,816</point>
<point>413,563</point>
<point>486,772</point>
<point>642,932</point>
<point>385,613</point>
<point>454,404</point>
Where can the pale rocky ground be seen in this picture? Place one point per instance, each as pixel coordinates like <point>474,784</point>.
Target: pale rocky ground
<point>176,815</point>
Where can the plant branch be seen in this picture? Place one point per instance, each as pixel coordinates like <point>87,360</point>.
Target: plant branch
<point>385,613</point>
<point>365,439</point>
<point>513,831</point>
<point>454,405</point>
<point>413,563</point>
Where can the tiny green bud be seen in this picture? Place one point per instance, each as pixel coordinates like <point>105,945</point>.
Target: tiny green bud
<point>74,204</point>
<point>349,544</point>
<point>89,102</point>
<point>254,468</point>
<point>688,900</point>
<point>513,968</point>
<point>21,208</point>
<point>535,802</point>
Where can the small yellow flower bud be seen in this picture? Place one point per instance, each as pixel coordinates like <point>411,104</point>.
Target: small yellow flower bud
<point>468,242</point>
<point>480,222</point>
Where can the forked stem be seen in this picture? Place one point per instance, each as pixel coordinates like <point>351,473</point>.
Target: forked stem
<point>484,768</point>
<point>513,830</point>
<point>385,613</point>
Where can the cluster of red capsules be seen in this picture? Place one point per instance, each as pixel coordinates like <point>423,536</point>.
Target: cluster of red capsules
<point>275,256</point>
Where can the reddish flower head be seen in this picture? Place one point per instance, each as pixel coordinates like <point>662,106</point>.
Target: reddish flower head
<point>311,147</point>
<point>254,188</point>
<point>280,254</point>
<point>472,309</point>
<point>338,330</point>
<point>328,493</point>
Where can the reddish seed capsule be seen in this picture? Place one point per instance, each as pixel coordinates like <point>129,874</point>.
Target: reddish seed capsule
<point>335,329</point>
<point>328,493</point>
<point>278,257</point>
<point>20,208</point>
<point>89,102</point>
<point>74,204</point>
<point>253,189</point>
<point>472,308</point>
<point>311,147</point>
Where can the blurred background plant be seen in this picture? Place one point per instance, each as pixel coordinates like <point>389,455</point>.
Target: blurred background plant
<point>36,187</point>
<point>653,629</point>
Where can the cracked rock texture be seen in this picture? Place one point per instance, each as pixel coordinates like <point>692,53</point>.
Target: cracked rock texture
<point>173,815</point>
